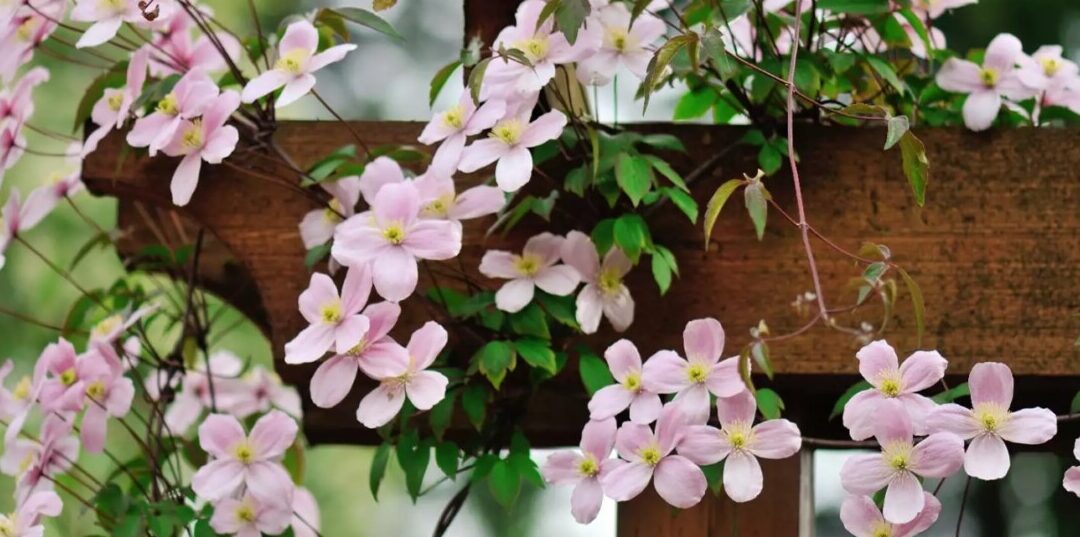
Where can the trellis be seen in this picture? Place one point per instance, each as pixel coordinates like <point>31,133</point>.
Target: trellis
<point>996,251</point>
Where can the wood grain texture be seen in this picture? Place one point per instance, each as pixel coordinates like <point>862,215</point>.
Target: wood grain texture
<point>995,250</point>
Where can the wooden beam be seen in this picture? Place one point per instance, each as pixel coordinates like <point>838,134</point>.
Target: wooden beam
<point>996,250</point>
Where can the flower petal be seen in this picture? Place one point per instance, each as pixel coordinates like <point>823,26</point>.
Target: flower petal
<point>987,458</point>
<point>586,499</point>
<point>742,477</point>
<point>626,481</point>
<point>645,408</point>
<point>217,479</point>
<point>598,438</point>
<point>876,360</point>
<point>860,412</point>
<point>560,280</point>
<point>219,433</point>
<point>938,455</point>
<point>860,516</point>
<point>679,482</point>
<point>609,401</point>
<point>703,340</point>
<point>776,439</point>
<point>922,370</point>
<point>395,274</point>
<point>980,109</point>
<point>991,382</point>
<point>426,389</point>
<point>333,380</point>
<point>514,295</point>
<point>514,169</point>
<point>703,445</point>
<point>865,474</point>
<point>380,406</point>
<point>665,372</point>
<point>623,359</point>
<point>955,419</point>
<point>904,499</point>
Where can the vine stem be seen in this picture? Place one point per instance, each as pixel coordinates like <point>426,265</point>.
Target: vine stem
<point>963,504</point>
<point>804,227</point>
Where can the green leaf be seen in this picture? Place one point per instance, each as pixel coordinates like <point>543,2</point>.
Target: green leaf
<point>413,456</point>
<point>638,9</point>
<point>916,165</point>
<point>1074,406</point>
<point>441,414</point>
<point>368,19</point>
<point>635,176</point>
<point>476,79</point>
<point>631,235</point>
<point>917,304</point>
<point>530,321</point>
<point>603,235</point>
<point>916,22</point>
<point>665,169</point>
<point>526,468</point>
<point>714,476</point>
<point>570,15</point>
<point>446,458</point>
<point>769,403</point>
<point>668,142</point>
<point>898,127</point>
<point>887,72</point>
<point>496,359</point>
<point>203,529</point>
<point>713,46</point>
<point>440,78</point>
<point>694,103</point>
<point>756,204</point>
<point>952,394</point>
<point>661,60</point>
<point>684,202</point>
<point>838,408</point>
<point>661,273</point>
<point>770,159</point>
<point>378,468</point>
<point>760,352</point>
<point>857,7</point>
<point>505,483</point>
<point>536,353</point>
<point>873,272</point>
<point>594,371</point>
<point>560,308</point>
<point>716,204</point>
<point>316,254</point>
<point>474,403</point>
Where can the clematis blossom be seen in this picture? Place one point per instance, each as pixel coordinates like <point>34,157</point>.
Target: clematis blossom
<point>604,293</point>
<point>441,201</point>
<point>17,217</point>
<point>378,173</point>
<point>249,461</point>
<point>24,28</point>
<point>53,454</point>
<point>508,145</point>
<point>335,377</point>
<point>1071,482</point>
<point>108,392</point>
<point>702,372</point>
<point>112,110</point>
<point>298,59</point>
<point>649,456</point>
<point>305,514</point>
<point>889,380</point>
<point>16,103</point>
<point>12,144</point>
<point>622,42</point>
<point>453,125</point>
<point>535,267</point>
<point>56,371</point>
<point>250,517</point>
<point>336,322</point>
<point>392,237</point>
<point>181,53</point>
<point>189,98</point>
<point>862,518</point>
<point>261,391</point>
<point>17,401</point>
<point>629,391</point>
<point>404,374</point>
<point>1055,75</point>
<point>107,16</point>
<point>990,423</point>
<point>900,464</point>
<point>25,521</point>
<point>584,469</point>
<point>318,225</point>
<point>210,382</point>
<point>208,139</point>
<point>986,84</point>
<point>741,444</point>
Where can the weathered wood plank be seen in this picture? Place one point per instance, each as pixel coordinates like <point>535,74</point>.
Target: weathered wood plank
<point>996,250</point>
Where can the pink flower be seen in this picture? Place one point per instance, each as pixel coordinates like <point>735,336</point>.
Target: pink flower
<point>335,319</point>
<point>335,377</point>
<point>107,17</point>
<point>16,402</point>
<point>900,463</point>
<point>989,424</point>
<point>1057,77</point>
<point>647,455</point>
<point>454,125</point>
<point>305,517</point>
<point>26,520</point>
<point>16,103</point>
<point>12,143</point>
<point>24,30</point>
<point>54,454</point>
<point>509,143</point>
<point>109,329</point>
<point>986,85</point>
<point>441,201</point>
<point>404,374</point>
<point>318,226</point>
<point>535,267</point>
<point>191,96</point>
<point>108,391</point>
<point>56,371</point>
<point>543,47</point>
<point>604,293</point>
<point>378,173</point>
<point>862,518</point>
<point>114,107</point>
<point>207,138</point>
<point>183,54</point>
<point>391,237</point>
<point>936,8</point>
<point>621,43</point>
<point>261,391</point>
<point>586,469</point>
<point>196,393</point>
<point>878,365</point>
<point>297,60</point>
<point>701,373</point>
<point>1072,475</point>
<point>239,459</point>
<point>250,517</point>
<point>625,363</point>
<point>741,443</point>
<point>17,217</point>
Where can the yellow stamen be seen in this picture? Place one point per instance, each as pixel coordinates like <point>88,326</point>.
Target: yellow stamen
<point>244,452</point>
<point>882,529</point>
<point>739,435</point>
<point>293,61</point>
<point>107,325</point>
<point>96,391</point>
<point>68,377</point>
<point>588,466</point>
<point>632,382</point>
<point>527,265</point>
<point>7,526</point>
<point>394,234</point>
<point>609,281</point>
<point>358,349</point>
<point>22,389</point>
<point>618,39</point>
<point>168,105</point>
<point>989,76</point>
<point>439,207</point>
<point>245,513</point>
<point>193,135</point>
<point>697,373</point>
<point>890,385</point>
<point>991,416</point>
<point>897,455</point>
<point>535,48</point>
<point>331,312</point>
<point>454,116</point>
<point>333,212</point>
<point>508,131</point>
<point>1050,66</point>
<point>27,29</point>
<point>114,100</point>
<point>650,455</point>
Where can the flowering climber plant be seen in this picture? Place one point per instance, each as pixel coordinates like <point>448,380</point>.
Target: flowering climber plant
<point>521,159</point>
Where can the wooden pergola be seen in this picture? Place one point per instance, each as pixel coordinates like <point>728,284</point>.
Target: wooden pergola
<point>996,250</point>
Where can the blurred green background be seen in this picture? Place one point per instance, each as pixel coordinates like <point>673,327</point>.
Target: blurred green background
<point>386,80</point>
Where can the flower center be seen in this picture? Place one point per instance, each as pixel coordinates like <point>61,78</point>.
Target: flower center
<point>890,386</point>
<point>618,39</point>
<point>114,6</point>
<point>507,131</point>
<point>68,377</point>
<point>96,391</point>
<point>534,48</point>
<point>7,526</point>
<point>897,455</point>
<point>650,455</point>
<point>989,76</point>
<point>697,373</point>
<point>588,466</point>
<point>293,61</point>
<point>527,265</point>
<point>1050,66</point>
<point>114,100</point>
<point>27,29</point>
<point>882,529</point>
<point>632,382</point>
<point>245,513</point>
<point>107,325</point>
<point>244,452</point>
<point>394,234</point>
<point>358,349</point>
<point>331,312</point>
<point>739,435</point>
<point>991,416</point>
<point>609,281</point>
<point>440,207</point>
<point>193,135</point>
<point>454,117</point>
<point>168,105</point>
<point>22,389</point>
